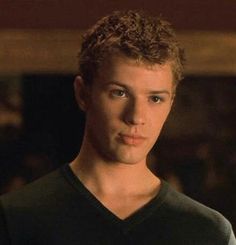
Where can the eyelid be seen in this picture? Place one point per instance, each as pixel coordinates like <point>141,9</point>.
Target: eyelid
<point>115,92</point>
<point>159,97</point>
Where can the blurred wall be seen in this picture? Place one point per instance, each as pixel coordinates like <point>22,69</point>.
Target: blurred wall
<point>211,15</point>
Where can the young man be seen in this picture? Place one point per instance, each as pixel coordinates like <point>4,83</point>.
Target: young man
<point>130,65</point>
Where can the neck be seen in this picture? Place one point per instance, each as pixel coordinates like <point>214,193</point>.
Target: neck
<point>110,182</point>
<point>101,176</point>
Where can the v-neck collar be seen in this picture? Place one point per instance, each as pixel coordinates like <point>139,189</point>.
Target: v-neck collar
<point>125,224</point>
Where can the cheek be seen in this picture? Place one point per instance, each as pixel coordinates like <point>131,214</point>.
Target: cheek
<point>158,119</point>
<point>108,110</point>
<point>103,117</point>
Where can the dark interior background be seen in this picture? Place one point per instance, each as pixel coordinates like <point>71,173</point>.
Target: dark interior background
<point>41,126</point>
<point>53,14</point>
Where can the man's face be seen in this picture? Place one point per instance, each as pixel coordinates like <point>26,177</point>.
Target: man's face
<point>127,107</point>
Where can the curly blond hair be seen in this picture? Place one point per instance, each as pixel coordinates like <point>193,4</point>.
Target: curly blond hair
<point>134,34</point>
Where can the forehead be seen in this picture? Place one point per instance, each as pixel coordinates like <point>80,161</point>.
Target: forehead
<point>135,73</point>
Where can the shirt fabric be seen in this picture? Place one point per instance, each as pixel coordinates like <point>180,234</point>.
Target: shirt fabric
<point>59,209</point>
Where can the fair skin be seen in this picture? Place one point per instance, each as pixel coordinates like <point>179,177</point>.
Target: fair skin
<point>126,107</point>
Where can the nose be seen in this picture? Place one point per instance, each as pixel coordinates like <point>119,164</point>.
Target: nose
<point>135,113</point>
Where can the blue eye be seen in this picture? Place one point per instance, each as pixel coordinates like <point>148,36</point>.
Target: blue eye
<point>118,93</point>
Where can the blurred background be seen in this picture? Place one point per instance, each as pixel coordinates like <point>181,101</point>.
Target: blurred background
<point>41,127</point>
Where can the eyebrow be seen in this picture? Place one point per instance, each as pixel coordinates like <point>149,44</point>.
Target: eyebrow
<point>120,84</point>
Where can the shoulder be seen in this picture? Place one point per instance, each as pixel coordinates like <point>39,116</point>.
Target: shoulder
<point>33,195</point>
<point>190,208</point>
<point>196,218</point>
<point>31,207</point>
<point>17,207</point>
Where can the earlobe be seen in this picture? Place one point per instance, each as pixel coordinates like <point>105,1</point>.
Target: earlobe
<point>80,93</point>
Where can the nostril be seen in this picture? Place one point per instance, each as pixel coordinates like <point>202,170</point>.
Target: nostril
<point>135,114</point>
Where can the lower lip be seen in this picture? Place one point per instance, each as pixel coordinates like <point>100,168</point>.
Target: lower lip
<point>127,140</point>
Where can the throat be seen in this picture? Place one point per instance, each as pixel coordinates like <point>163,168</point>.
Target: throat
<point>123,190</point>
<point>124,206</point>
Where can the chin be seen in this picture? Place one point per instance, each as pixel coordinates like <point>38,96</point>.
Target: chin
<point>133,156</point>
<point>129,159</point>
<point>124,154</point>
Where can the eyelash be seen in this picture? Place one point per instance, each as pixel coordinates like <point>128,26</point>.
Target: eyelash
<point>156,99</point>
<point>119,93</point>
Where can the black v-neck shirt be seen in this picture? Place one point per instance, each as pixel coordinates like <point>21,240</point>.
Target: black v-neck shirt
<point>58,209</point>
<point>124,224</point>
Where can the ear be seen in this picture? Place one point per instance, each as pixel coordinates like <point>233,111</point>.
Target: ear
<point>81,93</point>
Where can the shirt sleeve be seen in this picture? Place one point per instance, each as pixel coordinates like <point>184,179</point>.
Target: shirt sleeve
<point>4,236</point>
<point>232,240</point>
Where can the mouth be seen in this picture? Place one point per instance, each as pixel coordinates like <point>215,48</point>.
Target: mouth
<point>131,139</point>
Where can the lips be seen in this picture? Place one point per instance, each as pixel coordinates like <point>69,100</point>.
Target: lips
<point>131,139</point>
